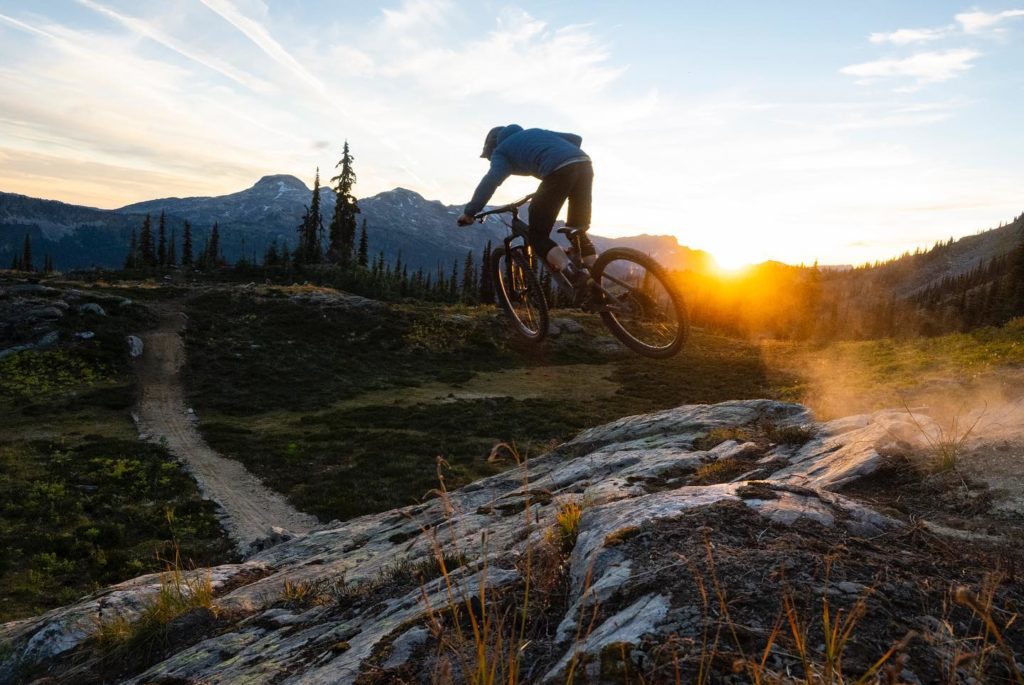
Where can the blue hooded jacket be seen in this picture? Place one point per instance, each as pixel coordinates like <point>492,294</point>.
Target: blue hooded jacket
<point>533,152</point>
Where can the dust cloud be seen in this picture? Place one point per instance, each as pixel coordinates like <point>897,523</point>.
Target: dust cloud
<point>838,381</point>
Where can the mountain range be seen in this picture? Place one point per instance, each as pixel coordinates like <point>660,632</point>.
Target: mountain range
<point>399,222</point>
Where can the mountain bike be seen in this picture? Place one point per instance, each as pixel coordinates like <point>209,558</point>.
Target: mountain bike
<point>630,291</point>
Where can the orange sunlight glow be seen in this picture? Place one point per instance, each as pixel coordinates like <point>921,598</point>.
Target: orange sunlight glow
<point>733,262</point>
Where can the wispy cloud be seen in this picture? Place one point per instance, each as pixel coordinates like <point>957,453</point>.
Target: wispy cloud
<point>977,21</point>
<point>148,30</point>
<point>415,15</point>
<point>933,66</point>
<point>910,36</point>
<point>261,37</point>
<point>514,61</point>
<point>965,23</point>
<point>922,68</point>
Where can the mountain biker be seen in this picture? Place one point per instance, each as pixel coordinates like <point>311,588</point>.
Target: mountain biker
<point>565,171</point>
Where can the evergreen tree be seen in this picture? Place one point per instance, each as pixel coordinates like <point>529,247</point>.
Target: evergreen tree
<point>364,247</point>
<point>131,261</point>
<point>453,283</point>
<point>343,222</point>
<point>315,225</point>
<point>161,250</point>
<point>186,245</point>
<point>1017,277</point>
<point>172,249</point>
<point>469,292</point>
<point>486,284</point>
<point>147,250</point>
<point>26,255</point>
<point>272,257</point>
<point>15,263</point>
<point>302,248</point>
<point>212,258</point>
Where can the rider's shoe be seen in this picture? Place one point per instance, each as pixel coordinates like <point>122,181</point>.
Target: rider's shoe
<point>584,289</point>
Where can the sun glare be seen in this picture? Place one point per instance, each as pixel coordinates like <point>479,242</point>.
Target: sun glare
<point>732,262</point>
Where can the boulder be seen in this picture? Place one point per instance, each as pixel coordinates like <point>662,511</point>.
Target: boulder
<point>49,313</point>
<point>135,346</point>
<point>91,308</point>
<point>14,350</point>
<point>566,325</point>
<point>275,536</point>
<point>48,341</point>
<point>31,289</point>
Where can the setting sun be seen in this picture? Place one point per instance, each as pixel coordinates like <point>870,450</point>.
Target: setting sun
<point>731,262</point>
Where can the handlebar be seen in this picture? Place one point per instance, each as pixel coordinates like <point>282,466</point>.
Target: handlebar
<point>504,208</point>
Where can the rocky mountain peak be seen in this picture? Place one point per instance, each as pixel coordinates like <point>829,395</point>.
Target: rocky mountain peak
<point>399,194</point>
<point>281,182</point>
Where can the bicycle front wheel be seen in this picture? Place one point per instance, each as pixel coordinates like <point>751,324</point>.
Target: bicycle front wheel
<point>640,304</point>
<point>519,293</point>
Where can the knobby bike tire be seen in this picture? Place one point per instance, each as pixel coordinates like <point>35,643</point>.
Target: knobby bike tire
<point>531,288</point>
<point>658,273</point>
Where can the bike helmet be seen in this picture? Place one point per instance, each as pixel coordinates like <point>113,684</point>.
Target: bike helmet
<point>491,142</point>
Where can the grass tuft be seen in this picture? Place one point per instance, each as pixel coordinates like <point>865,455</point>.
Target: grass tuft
<point>716,436</point>
<point>946,443</point>
<point>567,525</point>
<point>180,592</point>
<point>720,471</point>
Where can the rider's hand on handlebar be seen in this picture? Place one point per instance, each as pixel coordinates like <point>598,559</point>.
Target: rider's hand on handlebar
<point>465,220</point>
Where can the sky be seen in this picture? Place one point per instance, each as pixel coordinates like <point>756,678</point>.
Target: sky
<point>840,132</point>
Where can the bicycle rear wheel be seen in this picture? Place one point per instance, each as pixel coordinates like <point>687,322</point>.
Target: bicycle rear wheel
<point>641,306</point>
<point>519,293</point>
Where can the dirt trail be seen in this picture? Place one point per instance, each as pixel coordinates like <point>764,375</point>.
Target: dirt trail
<point>249,508</point>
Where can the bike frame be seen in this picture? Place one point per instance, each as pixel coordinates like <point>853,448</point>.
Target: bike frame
<point>520,229</point>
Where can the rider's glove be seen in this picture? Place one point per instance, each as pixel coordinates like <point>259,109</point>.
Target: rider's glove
<point>465,220</point>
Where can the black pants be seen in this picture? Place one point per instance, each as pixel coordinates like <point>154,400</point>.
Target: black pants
<point>573,182</point>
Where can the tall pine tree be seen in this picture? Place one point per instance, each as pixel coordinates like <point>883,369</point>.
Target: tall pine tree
<point>469,293</point>
<point>212,258</point>
<point>1017,276</point>
<point>315,229</point>
<point>486,284</point>
<point>343,222</point>
<point>131,261</point>
<point>172,248</point>
<point>272,257</point>
<point>186,245</point>
<point>364,247</point>
<point>147,250</point>
<point>302,248</point>
<point>26,255</point>
<point>161,250</point>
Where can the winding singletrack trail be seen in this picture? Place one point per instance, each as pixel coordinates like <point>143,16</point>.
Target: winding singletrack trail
<point>249,508</point>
